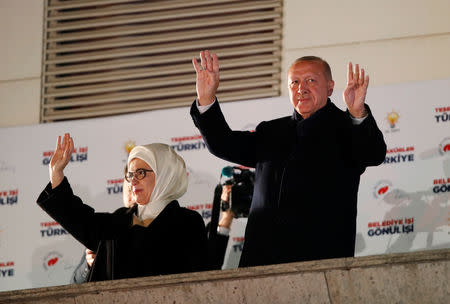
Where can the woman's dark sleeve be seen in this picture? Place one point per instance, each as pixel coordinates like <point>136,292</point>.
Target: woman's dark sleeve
<point>79,219</point>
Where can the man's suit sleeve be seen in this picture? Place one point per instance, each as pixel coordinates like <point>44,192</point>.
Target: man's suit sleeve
<point>234,146</point>
<point>368,145</point>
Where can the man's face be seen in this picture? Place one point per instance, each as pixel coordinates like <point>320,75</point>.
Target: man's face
<point>309,87</point>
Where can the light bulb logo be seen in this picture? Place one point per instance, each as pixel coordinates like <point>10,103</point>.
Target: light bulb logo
<point>393,118</point>
<point>129,146</point>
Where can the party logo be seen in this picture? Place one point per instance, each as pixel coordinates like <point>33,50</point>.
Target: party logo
<point>382,188</point>
<point>392,119</point>
<point>51,260</point>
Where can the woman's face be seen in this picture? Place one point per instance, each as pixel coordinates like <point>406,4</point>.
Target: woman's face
<point>141,189</point>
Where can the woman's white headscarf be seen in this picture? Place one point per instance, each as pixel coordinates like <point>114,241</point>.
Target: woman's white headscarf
<point>171,179</point>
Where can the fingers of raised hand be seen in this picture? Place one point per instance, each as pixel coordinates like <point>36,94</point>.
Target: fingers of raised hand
<point>65,149</point>
<point>366,81</point>
<point>215,65</point>
<point>362,77</point>
<point>58,143</point>
<point>350,72</point>
<point>357,77</point>
<point>208,62</point>
<point>203,60</point>
<point>196,65</point>
<point>356,74</point>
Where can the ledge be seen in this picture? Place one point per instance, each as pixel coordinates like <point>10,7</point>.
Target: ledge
<point>417,277</point>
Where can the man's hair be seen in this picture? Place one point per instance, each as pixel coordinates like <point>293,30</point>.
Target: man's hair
<point>325,65</point>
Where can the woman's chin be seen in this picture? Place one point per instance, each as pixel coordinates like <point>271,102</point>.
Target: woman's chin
<point>142,203</point>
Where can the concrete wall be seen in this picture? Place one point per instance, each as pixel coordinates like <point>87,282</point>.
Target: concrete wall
<point>21,33</point>
<point>396,41</point>
<point>420,277</point>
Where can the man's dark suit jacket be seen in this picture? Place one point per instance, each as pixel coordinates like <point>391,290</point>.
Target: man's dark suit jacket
<point>306,180</point>
<point>174,242</point>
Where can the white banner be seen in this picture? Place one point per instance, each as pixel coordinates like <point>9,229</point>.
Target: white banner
<point>403,204</point>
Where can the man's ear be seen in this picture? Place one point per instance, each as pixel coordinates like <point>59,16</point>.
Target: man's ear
<point>330,87</point>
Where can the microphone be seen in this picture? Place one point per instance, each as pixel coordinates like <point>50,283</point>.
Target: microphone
<point>228,171</point>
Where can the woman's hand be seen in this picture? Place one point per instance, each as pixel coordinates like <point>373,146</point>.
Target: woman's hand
<point>60,159</point>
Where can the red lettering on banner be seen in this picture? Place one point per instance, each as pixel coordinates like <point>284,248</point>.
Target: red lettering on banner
<point>184,138</point>
<point>49,224</point>
<point>115,181</point>
<point>400,149</point>
<point>238,239</point>
<point>6,264</point>
<point>208,206</point>
<point>441,181</point>
<point>47,153</point>
<point>447,148</point>
<point>385,223</point>
<point>14,192</point>
<point>442,109</point>
<point>83,149</point>
<point>195,207</point>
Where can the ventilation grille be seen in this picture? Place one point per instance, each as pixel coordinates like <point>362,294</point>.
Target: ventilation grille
<point>118,56</point>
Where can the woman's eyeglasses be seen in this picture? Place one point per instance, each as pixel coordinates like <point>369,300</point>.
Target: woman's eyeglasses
<point>138,174</point>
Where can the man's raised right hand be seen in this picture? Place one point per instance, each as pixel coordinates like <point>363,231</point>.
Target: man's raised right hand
<point>207,77</point>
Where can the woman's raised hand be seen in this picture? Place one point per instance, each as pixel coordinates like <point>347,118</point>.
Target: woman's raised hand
<point>60,159</point>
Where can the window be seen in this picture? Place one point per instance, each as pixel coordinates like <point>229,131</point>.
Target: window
<point>121,56</point>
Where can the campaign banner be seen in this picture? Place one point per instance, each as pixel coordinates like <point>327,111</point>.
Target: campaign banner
<point>403,204</point>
